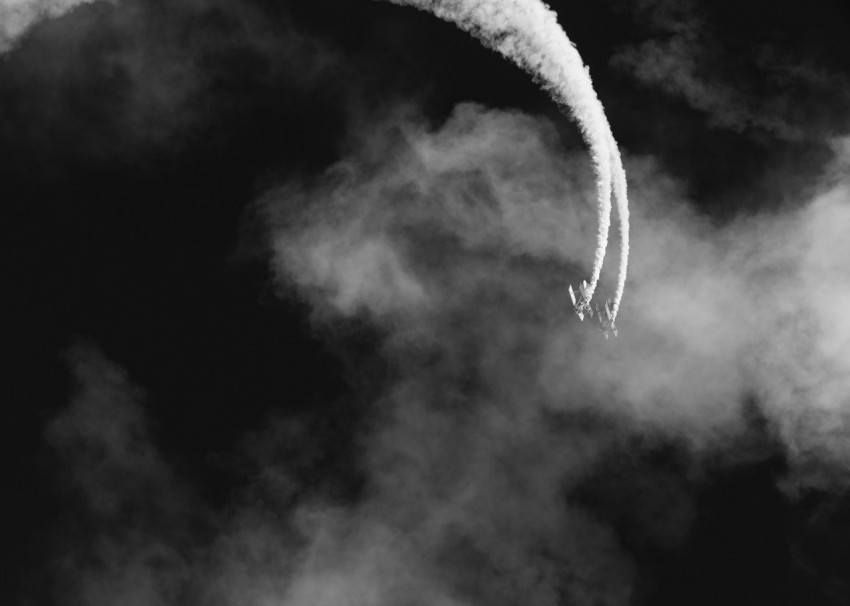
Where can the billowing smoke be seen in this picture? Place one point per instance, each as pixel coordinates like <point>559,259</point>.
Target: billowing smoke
<point>509,455</point>
<point>449,249</point>
<point>17,16</point>
<point>490,451</point>
<point>732,309</point>
<point>528,34</point>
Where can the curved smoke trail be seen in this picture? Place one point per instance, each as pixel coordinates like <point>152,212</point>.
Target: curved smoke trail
<point>527,33</point>
<point>622,198</point>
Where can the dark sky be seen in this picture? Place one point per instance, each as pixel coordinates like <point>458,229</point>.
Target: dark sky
<point>285,312</point>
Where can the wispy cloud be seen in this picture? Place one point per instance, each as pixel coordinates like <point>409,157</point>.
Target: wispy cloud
<point>153,77</point>
<point>741,84</point>
<point>473,217</point>
<point>493,463</point>
<point>129,517</point>
<point>506,452</point>
<point>17,16</point>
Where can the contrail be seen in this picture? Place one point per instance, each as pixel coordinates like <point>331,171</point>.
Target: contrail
<point>622,198</point>
<point>17,16</point>
<point>527,33</point>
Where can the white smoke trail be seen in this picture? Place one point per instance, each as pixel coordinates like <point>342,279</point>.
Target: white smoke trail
<point>622,199</point>
<point>527,33</point>
<point>17,16</point>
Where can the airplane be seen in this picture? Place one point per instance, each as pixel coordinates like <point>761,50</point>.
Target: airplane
<point>581,304</point>
<point>606,323</point>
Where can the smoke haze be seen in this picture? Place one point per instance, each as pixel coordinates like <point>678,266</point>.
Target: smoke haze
<point>487,460</point>
<point>750,84</point>
<point>17,16</point>
<point>477,445</point>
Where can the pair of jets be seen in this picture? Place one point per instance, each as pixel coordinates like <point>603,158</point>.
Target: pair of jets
<point>581,305</point>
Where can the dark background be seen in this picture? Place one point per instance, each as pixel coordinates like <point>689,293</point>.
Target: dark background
<point>127,221</point>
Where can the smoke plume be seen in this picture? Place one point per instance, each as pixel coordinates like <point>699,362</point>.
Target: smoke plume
<point>493,462</point>
<point>449,248</point>
<point>528,34</point>
<point>490,450</point>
